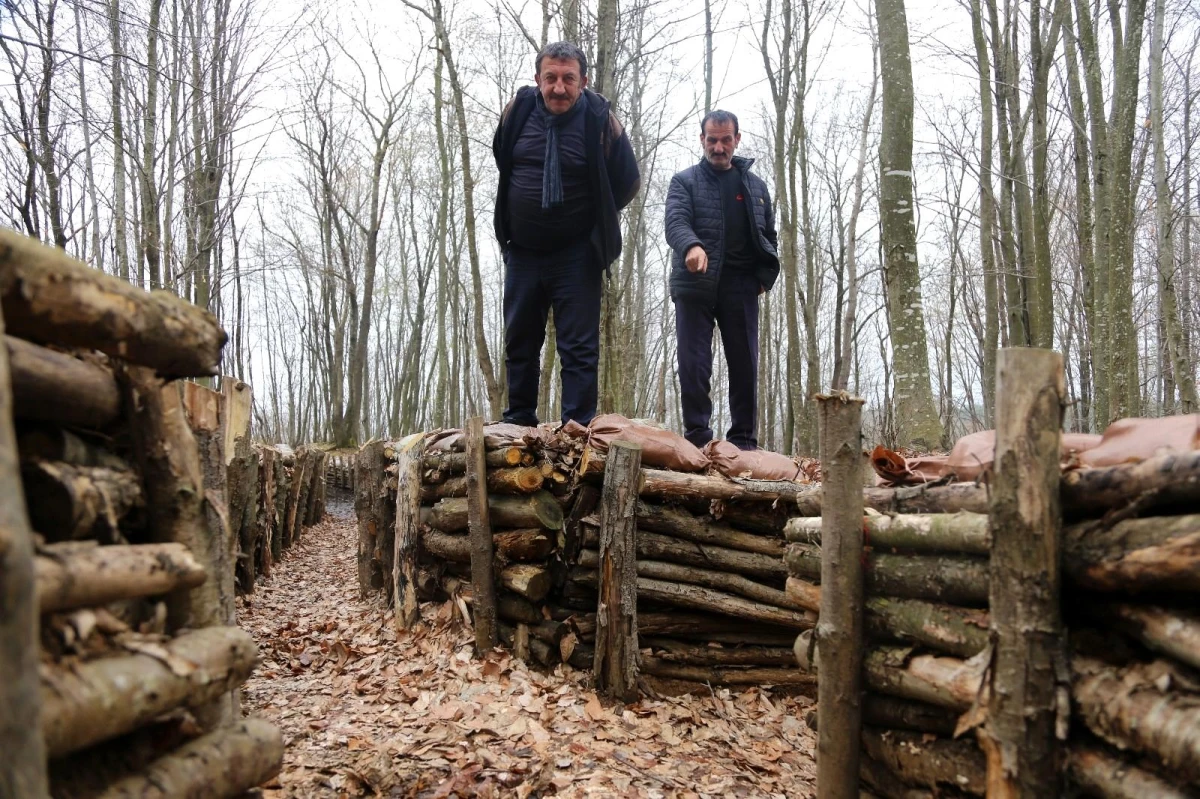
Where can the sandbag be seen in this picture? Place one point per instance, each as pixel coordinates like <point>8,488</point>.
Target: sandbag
<point>973,454</point>
<point>893,469</point>
<point>1133,440</point>
<point>660,448</point>
<point>759,464</point>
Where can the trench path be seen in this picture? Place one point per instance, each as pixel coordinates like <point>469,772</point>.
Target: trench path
<point>365,712</point>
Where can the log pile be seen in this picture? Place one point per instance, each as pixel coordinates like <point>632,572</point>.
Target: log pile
<point>117,541</point>
<point>1118,680</point>
<point>710,577</point>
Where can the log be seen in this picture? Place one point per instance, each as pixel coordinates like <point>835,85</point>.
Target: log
<point>56,387</point>
<point>587,497</point>
<point>665,484</point>
<point>761,518</point>
<point>887,784</point>
<point>961,533</point>
<point>226,762</point>
<point>668,650</point>
<point>1152,554</point>
<point>615,663</point>
<point>695,597</point>
<point>1129,709</point>
<point>689,553</point>
<point>516,608</point>
<point>480,540</point>
<point>538,509</point>
<point>87,576</point>
<point>265,517</point>
<point>508,545</point>
<point>1165,480</point>
<point>314,506</point>
<point>47,443</point>
<point>889,712</point>
<point>511,481</point>
<point>709,578</point>
<point>953,630</point>
<point>951,578</point>
<point>243,510</point>
<point>1168,632</point>
<point>375,514</point>
<point>952,498</point>
<point>681,524</point>
<point>840,624</point>
<point>306,464</point>
<point>1101,774</point>
<point>725,675</point>
<point>49,297</point>
<point>73,502</point>
<point>692,626</point>
<point>438,465</point>
<point>407,536</point>
<point>283,489</point>
<point>92,702</point>
<point>526,579</point>
<point>1025,700</point>
<point>924,761</point>
<point>23,765</point>
<point>169,461</point>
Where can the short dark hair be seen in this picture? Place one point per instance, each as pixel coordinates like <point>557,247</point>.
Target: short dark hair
<point>564,50</point>
<point>720,117</point>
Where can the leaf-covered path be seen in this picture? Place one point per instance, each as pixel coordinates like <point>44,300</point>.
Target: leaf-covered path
<point>366,714</point>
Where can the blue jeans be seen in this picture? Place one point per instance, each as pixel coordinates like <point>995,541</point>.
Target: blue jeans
<point>568,281</point>
<point>736,314</point>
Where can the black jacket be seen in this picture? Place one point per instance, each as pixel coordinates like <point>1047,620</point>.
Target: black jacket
<point>695,216</point>
<point>614,170</point>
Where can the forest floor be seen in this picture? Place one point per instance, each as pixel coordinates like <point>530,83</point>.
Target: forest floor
<point>365,712</point>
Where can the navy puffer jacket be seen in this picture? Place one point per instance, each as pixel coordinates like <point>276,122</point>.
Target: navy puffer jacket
<point>694,216</point>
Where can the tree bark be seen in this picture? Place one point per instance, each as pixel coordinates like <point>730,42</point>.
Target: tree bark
<point>266,515</point>
<point>226,762</point>
<point>51,298</point>
<point>667,650</point>
<point>52,386</point>
<point>539,509</point>
<point>690,553</point>
<point>508,545</point>
<point>79,576</point>
<point>1169,632</point>
<point>709,578</point>
<point>954,579</point>
<point>439,464</point>
<point>1164,480</point>
<point>526,579</point>
<point>961,533</point>
<point>920,759</point>
<point>681,524</point>
<point>374,514</point>
<point>891,713</point>
<point>724,675</point>
<point>1101,774</point>
<point>103,698</point>
<point>1026,701</point>
<point>1157,553</point>
<point>72,502</point>
<point>918,424</point>
<point>615,666</point>
<point>840,626</point>
<point>23,766</point>
<point>408,520</point>
<point>951,498</point>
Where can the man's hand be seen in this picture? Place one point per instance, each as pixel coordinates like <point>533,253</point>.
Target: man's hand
<point>696,259</point>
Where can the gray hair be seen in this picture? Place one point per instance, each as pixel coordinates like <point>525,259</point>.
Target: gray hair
<point>565,51</point>
<point>720,117</point>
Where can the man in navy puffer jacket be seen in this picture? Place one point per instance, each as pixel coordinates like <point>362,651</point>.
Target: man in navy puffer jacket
<point>721,229</point>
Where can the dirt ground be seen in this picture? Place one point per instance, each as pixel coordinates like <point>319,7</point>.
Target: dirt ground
<point>367,713</point>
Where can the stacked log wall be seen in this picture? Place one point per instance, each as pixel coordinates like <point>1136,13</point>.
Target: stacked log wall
<point>120,593</point>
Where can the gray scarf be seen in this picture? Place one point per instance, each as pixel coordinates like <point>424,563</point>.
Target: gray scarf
<point>552,188</point>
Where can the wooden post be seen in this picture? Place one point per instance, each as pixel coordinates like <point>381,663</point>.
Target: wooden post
<point>615,665</point>
<point>480,527</point>
<point>408,530</point>
<point>1028,697</point>
<point>23,766</point>
<point>371,511</point>
<point>840,628</point>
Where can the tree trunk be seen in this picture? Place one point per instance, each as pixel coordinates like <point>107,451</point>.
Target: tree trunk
<point>374,512</point>
<point>1026,702</point>
<point>615,666</point>
<point>918,421</point>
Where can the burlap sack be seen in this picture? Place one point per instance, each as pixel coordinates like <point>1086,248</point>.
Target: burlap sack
<point>894,469</point>
<point>973,454</point>
<point>660,448</point>
<point>759,464</point>
<point>1133,440</point>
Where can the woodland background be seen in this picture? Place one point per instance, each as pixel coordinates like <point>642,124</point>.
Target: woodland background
<point>321,179</point>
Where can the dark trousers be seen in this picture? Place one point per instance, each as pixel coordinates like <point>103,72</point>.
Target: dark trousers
<point>736,314</point>
<point>568,281</point>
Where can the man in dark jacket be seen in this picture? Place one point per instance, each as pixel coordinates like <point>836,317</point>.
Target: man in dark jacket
<point>566,169</point>
<point>721,230</point>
